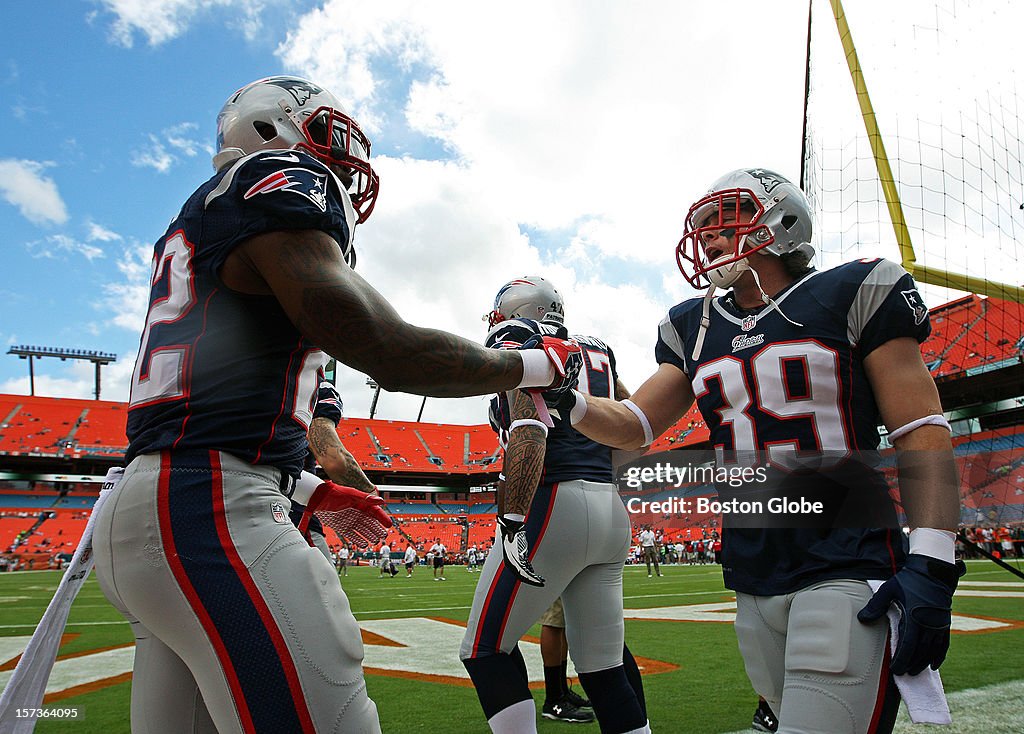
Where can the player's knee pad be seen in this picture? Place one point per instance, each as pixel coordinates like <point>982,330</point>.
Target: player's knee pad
<point>500,680</point>
<point>615,702</point>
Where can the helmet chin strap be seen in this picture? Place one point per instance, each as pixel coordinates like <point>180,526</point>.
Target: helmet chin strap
<point>731,275</point>
<point>769,301</point>
<point>705,322</point>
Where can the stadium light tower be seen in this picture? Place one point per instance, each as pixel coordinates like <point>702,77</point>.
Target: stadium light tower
<point>97,358</point>
<point>371,383</point>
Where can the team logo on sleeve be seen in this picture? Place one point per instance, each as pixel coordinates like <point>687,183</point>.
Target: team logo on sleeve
<point>301,181</point>
<point>916,304</point>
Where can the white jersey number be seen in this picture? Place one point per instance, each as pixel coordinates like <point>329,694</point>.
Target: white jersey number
<point>165,365</point>
<point>820,402</point>
<point>597,362</point>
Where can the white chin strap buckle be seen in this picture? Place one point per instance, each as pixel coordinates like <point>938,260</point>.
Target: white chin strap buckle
<point>724,276</point>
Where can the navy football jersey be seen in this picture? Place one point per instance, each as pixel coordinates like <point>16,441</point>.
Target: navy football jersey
<point>569,454</point>
<point>224,370</point>
<point>765,384</point>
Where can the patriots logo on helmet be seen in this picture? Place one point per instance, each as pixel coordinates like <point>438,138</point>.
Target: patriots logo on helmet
<point>298,88</point>
<point>913,299</point>
<point>302,181</point>
<point>768,179</point>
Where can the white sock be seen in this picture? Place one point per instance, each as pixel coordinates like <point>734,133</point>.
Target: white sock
<point>519,718</point>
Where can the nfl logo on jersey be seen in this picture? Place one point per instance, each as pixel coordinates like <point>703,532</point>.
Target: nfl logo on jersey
<point>748,323</point>
<point>279,514</point>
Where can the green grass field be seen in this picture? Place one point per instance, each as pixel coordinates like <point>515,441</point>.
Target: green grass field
<point>705,689</point>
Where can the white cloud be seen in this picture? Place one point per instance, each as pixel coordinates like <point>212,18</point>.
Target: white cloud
<point>99,233</point>
<point>128,298</point>
<point>596,139</point>
<point>168,148</point>
<point>163,20</point>
<point>59,245</point>
<point>23,184</point>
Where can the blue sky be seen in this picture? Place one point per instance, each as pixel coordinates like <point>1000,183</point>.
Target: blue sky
<point>561,139</point>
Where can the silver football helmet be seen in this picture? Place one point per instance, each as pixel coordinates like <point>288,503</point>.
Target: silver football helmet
<point>530,297</point>
<point>781,223</point>
<point>285,112</point>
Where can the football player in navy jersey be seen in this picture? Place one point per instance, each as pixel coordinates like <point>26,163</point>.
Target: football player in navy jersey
<point>238,622</point>
<point>793,360</point>
<point>563,531</point>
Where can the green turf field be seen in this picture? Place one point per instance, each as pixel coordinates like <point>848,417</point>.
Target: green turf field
<point>704,688</point>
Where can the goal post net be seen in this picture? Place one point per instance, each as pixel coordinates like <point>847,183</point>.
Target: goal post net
<point>913,142</point>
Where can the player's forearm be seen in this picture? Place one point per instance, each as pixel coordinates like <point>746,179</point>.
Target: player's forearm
<point>338,463</point>
<point>611,423</point>
<point>343,468</point>
<point>524,456</point>
<point>346,317</point>
<point>928,479</point>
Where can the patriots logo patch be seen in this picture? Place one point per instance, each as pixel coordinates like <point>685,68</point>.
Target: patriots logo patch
<point>916,304</point>
<point>302,181</point>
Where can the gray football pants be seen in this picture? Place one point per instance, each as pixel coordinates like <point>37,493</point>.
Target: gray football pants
<point>818,667</point>
<point>240,625</point>
<point>579,535</point>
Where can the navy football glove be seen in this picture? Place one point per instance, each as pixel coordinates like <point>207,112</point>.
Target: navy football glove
<point>923,592</point>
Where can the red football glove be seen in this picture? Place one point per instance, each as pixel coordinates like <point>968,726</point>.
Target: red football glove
<point>354,515</point>
<point>566,357</point>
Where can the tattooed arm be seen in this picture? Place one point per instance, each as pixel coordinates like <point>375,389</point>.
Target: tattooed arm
<point>342,314</point>
<point>332,455</point>
<point>524,458</point>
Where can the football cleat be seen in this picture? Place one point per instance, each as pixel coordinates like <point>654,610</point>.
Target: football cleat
<point>764,718</point>
<point>564,710</point>
<point>516,551</point>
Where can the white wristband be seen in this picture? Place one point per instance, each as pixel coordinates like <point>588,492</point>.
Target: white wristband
<point>938,544</point>
<point>527,422</point>
<point>645,424</point>
<point>579,408</point>
<point>304,488</point>
<point>928,420</point>
<point>537,369</point>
